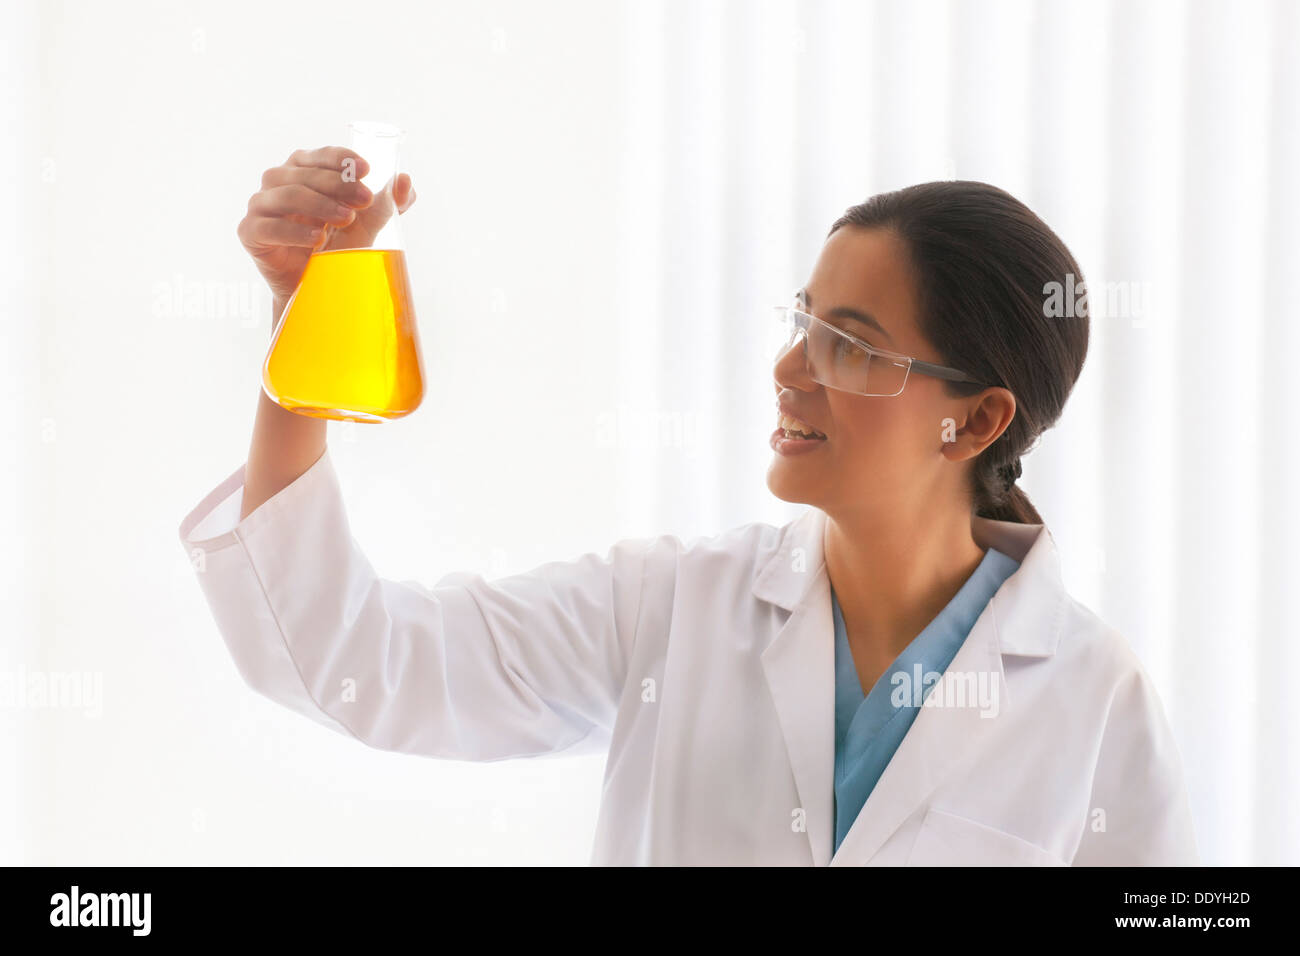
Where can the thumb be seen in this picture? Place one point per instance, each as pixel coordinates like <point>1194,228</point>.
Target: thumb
<point>403,192</point>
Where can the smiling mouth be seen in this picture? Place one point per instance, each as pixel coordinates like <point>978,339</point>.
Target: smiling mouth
<point>794,428</point>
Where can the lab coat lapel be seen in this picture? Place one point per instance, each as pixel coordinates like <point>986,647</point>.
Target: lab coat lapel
<point>799,665</point>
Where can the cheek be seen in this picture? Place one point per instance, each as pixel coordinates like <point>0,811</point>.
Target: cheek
<point>869,427</point>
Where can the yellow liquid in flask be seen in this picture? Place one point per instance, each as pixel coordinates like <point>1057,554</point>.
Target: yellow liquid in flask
<point>348,347</point>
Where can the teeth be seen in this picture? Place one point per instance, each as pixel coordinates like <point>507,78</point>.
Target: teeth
<point>794,425</point>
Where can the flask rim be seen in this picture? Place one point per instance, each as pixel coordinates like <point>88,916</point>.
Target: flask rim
<point>377,128</point>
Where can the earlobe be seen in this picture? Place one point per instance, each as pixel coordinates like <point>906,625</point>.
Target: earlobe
<point>955,452</point>
<point>955,439</point>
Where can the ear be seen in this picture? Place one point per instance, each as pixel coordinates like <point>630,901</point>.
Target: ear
<point>981,419</point>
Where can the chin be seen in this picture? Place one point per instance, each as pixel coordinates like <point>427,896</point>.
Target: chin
<point>787,490</point>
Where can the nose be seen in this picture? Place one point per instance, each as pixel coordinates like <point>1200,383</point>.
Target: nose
<point>791,367</point>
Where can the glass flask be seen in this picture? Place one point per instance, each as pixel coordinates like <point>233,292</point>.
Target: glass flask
<point>347,347</point>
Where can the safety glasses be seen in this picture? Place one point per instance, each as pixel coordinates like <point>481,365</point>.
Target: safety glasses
<point>842,361</point>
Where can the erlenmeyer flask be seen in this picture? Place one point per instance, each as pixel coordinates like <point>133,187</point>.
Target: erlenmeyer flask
<point>347,346</point>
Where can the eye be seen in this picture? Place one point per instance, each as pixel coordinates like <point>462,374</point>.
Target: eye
<point>846,349</point>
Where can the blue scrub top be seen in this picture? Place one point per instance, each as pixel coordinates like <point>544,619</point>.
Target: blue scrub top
<point>869,728</point>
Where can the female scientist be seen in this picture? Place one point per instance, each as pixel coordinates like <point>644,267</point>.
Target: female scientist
<point>897,676</point>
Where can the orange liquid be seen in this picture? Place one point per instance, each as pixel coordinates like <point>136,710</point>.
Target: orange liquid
<point>347,347</point>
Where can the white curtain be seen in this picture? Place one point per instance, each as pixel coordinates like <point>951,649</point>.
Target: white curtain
<point>610,197</point>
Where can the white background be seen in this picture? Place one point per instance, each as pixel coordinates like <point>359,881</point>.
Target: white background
<point>610,195</point>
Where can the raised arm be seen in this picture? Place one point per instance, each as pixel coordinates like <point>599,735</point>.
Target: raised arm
<point>286,221</point>
<point>470,669</point>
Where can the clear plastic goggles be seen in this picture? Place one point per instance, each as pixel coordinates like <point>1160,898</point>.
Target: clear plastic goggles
<point>839,360</point>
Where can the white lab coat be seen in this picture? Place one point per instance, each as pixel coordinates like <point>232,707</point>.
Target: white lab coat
<point>706,670</point>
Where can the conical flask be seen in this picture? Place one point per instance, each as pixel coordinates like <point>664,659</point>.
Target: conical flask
<point>347,347</point>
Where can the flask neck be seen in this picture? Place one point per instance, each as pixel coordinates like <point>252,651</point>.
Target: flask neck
<point>379,144</point>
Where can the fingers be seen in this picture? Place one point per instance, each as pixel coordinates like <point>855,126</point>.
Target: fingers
<point>263,231</point>
<point>347,163</point>
<point>327,182</point>
<point>301,202</point>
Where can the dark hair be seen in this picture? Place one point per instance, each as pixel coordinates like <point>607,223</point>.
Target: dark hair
<point>983,264</point>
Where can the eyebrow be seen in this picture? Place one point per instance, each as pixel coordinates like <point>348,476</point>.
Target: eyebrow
<point>844,312</point>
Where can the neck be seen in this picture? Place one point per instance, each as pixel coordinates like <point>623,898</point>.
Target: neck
<point>893,572</point>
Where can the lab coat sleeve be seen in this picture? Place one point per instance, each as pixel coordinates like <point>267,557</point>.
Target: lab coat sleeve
<point>525,665</point>
<point>1139,814</point>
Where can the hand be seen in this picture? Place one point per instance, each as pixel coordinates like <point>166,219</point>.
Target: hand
<point>307,193</point>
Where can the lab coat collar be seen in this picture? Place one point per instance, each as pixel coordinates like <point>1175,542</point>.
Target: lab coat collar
<point>1024,618</point>
<point>1031,603</point>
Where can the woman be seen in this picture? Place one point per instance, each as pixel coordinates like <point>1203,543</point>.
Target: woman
<point>896,676</point>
